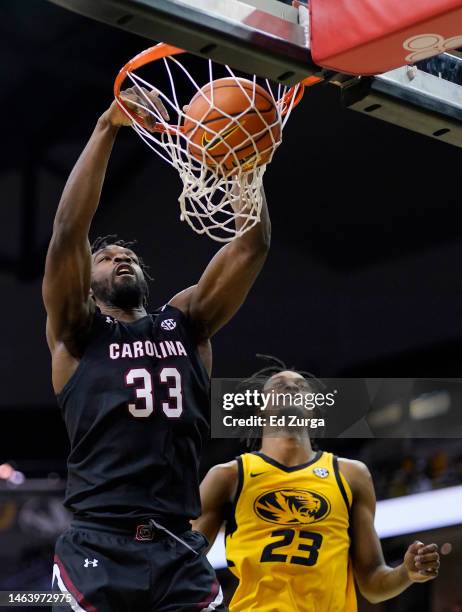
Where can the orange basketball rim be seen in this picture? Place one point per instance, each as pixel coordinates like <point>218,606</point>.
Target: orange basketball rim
<point>290,99</point>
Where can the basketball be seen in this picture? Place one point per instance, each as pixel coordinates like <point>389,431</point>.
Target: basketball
<point>230,123</point>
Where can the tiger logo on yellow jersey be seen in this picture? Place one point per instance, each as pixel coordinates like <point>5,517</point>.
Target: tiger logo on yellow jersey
<point>292,507</point>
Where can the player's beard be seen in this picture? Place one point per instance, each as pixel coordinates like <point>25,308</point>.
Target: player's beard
<point>122,292</point>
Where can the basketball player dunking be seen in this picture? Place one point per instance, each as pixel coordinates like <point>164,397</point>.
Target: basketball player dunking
<point>302,523</point>
<point>133,388</point>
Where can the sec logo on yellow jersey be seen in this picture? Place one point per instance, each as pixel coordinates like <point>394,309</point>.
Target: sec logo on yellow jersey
<point>292,506</point>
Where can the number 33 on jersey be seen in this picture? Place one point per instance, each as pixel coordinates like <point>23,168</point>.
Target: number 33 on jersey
<point>138,399</point>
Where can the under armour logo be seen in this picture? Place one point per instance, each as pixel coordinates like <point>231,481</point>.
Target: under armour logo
<point>168,324</point>
<point>93,563</point>
<point>321,472</point>
<point>427,45</point>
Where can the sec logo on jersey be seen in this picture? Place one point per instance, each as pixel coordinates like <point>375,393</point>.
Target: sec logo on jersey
<point>292,507</point>
<point>168,324</point>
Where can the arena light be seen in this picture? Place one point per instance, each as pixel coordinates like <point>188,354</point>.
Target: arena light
<point>216,554</point>
<point>420,512</point>
<point>394,517</point>
<point>10,475</point>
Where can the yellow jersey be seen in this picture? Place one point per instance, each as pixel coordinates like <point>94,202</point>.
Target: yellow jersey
<point>287,540</point>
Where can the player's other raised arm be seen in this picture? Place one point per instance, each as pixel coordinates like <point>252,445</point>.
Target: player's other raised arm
<point>376,580</point>
<point>217,490</point>
<point>227,279</point>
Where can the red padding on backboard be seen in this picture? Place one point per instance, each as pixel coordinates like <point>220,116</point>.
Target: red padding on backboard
<point>373,36</point>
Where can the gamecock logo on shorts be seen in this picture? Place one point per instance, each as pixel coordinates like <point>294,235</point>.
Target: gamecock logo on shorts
<point>292,507</point>
<point>427,45</point>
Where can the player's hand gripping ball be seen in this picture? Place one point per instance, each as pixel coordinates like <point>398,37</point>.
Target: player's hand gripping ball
<point>232,124</point>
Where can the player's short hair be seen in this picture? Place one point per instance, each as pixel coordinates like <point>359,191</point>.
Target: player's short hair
<point>104,241</point>
<point>257,381</point>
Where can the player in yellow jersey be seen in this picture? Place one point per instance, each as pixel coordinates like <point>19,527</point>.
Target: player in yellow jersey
<point>302,524</point>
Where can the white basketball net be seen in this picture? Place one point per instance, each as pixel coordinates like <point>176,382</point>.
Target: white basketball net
<point>213,202</point>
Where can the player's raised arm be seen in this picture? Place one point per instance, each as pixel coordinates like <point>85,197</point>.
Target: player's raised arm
<point>67,277</point>
<point>376,580</point>
<point>66,283</point>
<point>227,279</point>
<point>217,490</point>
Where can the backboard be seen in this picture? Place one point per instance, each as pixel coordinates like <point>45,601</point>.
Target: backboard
<point>272,39</point>
<point>262,37</point>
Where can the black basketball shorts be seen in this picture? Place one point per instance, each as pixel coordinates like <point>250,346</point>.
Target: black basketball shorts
<point>137,570</point>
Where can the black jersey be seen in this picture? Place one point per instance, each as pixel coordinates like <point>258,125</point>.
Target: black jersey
<point>136,412</point>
